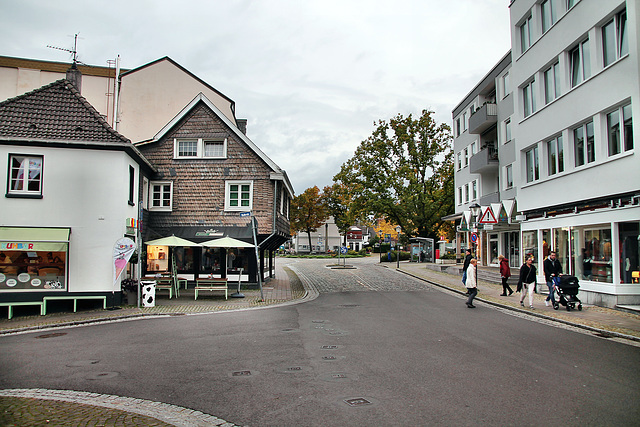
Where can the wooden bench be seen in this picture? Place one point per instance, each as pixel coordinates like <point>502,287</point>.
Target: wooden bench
<point>75,299</point>
<point>163,283</point>
<point>214,284</point>
<point>11,304</point>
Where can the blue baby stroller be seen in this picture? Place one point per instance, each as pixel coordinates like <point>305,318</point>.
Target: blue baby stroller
<point>567,288</point>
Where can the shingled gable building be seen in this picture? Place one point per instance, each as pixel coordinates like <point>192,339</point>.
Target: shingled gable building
<point>70,182</point>
<point>211,181</point>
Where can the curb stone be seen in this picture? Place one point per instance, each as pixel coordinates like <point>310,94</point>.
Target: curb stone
<point>171,414</point>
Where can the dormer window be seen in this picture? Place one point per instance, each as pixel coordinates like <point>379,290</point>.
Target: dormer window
<point>200,148</point>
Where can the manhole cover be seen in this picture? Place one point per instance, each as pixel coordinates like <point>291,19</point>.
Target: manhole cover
<point>79,363</point>
<point>294,369</point>
<point>241,374</point>
<point>53,335</point>
<point>102,375</point>
<point>358,401</point>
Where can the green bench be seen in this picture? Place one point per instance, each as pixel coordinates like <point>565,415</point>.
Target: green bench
<point>75,299</point>
<point>11,304</point>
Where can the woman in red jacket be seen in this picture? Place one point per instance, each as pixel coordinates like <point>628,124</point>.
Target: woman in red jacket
<point>505,273</point>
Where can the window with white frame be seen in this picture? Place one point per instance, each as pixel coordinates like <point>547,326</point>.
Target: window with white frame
<point>466,157</point>
<point>506,87</point>
<point>25,175</point>
<point>549,14</point>
<point>507,130</point>
<point>614,38</point>
<point>571,3</point>
<point>200,148</point>
<point>532,164</point>
<point>555,153</point>
<point>529,98</point>
<point>508,176</point>
<point>238,196</point>
<point>460,200</point>
<point>474,190</point>
<point>552,83</point>
<point>525,34</point>
<point>584,144</point>
<point>459,160</point>
<point>464,121</point>
<point>466,193</point>
<point>620,138</point>
<point>580,63</point>
<point>161,196</point>
<point>473,148</point>
<point>458,127</point>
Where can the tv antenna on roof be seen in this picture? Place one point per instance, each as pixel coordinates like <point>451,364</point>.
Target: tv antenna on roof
<point>73,51</point>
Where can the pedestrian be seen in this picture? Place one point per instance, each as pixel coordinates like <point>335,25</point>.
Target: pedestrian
<point>527,281</point>
<point>552,269</point>
<point>471,283</point>
<point>467,260</point>
<point>505,273</point>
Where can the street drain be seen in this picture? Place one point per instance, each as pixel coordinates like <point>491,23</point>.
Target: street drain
<point>329,347</point>
<point>349,305</point>
<point>53,335</point>
<point>338,376</point>
<point>317,321</point>
<point>295,369</point>
<point>241,374</point>
<point>288,330</point>
<point>358,401</point>
<point>329,358</point>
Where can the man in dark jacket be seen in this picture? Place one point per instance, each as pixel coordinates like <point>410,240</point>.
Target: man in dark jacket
<point>467,260</point>
<point>552,268</point>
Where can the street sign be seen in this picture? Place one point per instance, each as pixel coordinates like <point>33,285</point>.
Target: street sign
<point>488,217</point>
<point>343,250</point>
<point>474,237</point>
<point>242,214</point>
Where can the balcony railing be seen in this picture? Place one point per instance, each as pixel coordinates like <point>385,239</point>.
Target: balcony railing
<point>483,118</point>
<point>485,160</point>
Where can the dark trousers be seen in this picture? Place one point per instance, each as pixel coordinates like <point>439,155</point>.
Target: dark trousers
<point>472,294</point>
<point>505,287</point>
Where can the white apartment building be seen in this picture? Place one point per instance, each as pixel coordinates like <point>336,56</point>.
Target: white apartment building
<point>571,159</point>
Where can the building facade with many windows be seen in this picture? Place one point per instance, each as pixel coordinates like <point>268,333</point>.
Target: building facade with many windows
<point>573,161</point>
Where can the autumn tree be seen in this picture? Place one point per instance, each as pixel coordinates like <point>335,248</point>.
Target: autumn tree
<point>308,212</point>
<point>404,172</point>
<point>339,202</point>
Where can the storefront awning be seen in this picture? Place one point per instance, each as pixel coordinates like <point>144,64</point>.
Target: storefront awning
<point>34,234</point>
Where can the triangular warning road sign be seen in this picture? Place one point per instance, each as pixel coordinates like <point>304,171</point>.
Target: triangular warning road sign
<point>488,217</point>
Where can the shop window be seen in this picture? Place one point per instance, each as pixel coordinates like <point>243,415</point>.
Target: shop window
<point>25,176</point>
<point>629,238</point>
<point>33,259</point>
<point>530,245</point>
<point>595,255</point>
<point>561,246</point>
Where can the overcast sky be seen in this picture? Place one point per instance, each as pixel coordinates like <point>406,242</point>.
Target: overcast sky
<point>310,76</point>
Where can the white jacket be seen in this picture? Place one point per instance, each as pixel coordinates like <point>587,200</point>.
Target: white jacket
<point>471,277</point>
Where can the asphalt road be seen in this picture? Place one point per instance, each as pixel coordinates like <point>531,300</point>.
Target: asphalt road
<point>375,348</point>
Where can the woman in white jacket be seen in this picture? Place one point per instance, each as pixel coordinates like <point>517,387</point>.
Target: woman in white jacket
<point>472,282</point>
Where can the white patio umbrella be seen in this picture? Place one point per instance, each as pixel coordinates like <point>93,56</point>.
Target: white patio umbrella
<point>172,241</point>
<point>229,242</point>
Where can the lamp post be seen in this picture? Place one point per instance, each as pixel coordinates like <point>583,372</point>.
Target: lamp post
<point>398,230</point>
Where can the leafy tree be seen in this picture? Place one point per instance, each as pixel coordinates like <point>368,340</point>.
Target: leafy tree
<point>308,212</point>
<point>404,171</point>
<point>339,202</point>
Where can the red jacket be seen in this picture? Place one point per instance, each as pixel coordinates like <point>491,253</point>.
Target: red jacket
<point>505,271</point>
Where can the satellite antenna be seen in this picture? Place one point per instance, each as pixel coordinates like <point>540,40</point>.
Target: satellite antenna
<point>73,51</point>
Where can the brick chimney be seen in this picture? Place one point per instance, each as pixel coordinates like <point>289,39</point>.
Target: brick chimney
<point>75,77</point>
<point>242,125</point>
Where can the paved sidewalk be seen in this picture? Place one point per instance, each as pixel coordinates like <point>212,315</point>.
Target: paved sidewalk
<point>608,321</point>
